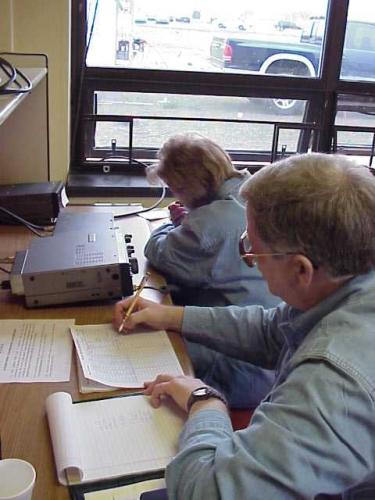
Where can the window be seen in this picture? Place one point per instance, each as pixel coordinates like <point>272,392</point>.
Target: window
<point>263,79</point>
<point>198,36</point>
<point>359,49</point>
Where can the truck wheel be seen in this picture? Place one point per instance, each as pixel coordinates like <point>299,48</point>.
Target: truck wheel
<point>288,68</point>
<point>286,106</point>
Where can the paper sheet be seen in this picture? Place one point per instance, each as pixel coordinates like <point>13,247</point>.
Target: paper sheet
<point>161,213</point>
<point>64,435</point>
<point>86,385</point>
<point>111,437</point>
<point>35,350</point>
<point>124,360</point>
<point>128,492</point>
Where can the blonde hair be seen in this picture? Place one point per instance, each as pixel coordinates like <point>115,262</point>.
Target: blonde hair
<point>320,205</point>
<point>194,162</point>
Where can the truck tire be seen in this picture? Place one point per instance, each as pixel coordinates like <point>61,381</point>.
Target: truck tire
<point>288,68</point>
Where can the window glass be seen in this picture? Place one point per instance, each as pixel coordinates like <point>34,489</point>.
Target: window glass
<point>234,42</point>
<point>195,106</point>
<point>234,133</point>
<point>359,49</point>
<point>355,124</point>
<point>269,37</point>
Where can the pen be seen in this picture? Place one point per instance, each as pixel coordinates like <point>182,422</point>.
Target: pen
<point>134,302</point>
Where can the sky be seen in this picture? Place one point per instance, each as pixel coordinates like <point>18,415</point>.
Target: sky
<point>186,7</point>
<point>359,9</point>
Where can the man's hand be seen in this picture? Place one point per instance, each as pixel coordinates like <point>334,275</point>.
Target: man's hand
<point>178,388</point>
<point>176,212</point>
<point>146,312</point>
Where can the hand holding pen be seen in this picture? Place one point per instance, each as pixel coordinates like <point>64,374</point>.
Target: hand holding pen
<point>134,302</point>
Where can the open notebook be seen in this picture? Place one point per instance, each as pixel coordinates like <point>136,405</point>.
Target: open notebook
<point>113,437</point>
<point>108,361</point>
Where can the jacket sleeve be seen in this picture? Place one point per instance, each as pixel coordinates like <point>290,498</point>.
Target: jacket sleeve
<point>179,252</point>
<point>315,436</point>
<point>249,333</point>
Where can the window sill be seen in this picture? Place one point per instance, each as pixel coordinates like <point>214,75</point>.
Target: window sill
<point>109,185</point>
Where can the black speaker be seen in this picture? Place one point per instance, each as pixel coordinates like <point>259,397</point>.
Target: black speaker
<point>37,202</point>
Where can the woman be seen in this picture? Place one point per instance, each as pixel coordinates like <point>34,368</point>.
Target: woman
<point>198,249</point>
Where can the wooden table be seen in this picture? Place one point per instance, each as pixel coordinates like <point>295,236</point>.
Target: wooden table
<point>23,424</point>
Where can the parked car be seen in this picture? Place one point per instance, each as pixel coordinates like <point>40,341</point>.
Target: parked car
<point>287,25</point>
<point>229,25</point>
<point>297,58</point>
<point>183,19</point>
<point>162,20</point>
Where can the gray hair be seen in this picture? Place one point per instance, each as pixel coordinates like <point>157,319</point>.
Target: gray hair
<point>195,162</point>
<point>320,205</point>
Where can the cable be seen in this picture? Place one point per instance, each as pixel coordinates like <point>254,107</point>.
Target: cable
<point>32,227</point>
<point>4,270</point>
<point>142,210</point>
<point>8,70</point>
<point>164,289</point>
<point>122,157</point>
<point>12,214</point>
<point>81,77</point>
<point>12,73</point>
<point>7,260</point>
<point>147,209</point>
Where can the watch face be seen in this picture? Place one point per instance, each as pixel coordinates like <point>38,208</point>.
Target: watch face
<point>202,391</point>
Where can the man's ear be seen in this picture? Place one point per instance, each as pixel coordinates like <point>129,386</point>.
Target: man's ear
<point>303,270</point>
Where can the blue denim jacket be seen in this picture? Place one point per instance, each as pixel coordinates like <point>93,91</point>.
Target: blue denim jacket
<point>202,253</point>
<point>315,431</point>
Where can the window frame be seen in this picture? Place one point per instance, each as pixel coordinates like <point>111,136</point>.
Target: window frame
<point>321,92</point>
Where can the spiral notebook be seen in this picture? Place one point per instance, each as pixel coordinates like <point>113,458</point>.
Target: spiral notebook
<point>111,438</point>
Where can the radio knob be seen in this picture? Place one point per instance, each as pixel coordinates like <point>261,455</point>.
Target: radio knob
<point>133,262</point>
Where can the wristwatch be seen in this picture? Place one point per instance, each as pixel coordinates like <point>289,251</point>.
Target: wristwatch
<point>203,393</point>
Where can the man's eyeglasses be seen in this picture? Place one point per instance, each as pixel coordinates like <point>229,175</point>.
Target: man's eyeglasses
<point>250,258</point>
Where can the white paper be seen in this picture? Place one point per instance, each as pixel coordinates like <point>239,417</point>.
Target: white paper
<point>64,433</point>
<point>124,360</point>
<point>128,492</point>
<point>111,437</point>
<point>86,385</point>
<point>162,213</point>
<point>35,350</point>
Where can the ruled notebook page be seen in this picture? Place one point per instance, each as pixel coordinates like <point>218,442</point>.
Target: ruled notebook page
<point>124,360</point>
<point>125,436</point>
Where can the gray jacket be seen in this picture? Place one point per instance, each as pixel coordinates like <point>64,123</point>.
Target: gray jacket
<point>315,432</point>
<point>202,253</point>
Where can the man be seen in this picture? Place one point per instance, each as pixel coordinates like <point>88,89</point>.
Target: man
<point>311,231</point>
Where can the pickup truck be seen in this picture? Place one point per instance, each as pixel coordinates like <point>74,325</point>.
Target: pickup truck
<point>300,58</point>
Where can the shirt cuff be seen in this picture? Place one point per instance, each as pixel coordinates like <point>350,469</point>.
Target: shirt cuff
<point>191,321</point>
<point>206,423</point>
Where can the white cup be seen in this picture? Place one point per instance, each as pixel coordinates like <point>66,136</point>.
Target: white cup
<point>17,479</point>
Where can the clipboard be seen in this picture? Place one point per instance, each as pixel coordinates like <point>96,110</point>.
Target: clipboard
<point>78,491</point>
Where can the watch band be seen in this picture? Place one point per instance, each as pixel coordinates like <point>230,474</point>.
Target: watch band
<point>204,393</point>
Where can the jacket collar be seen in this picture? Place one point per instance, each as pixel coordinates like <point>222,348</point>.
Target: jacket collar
<point>230,187</point>
<point>300,323</point>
